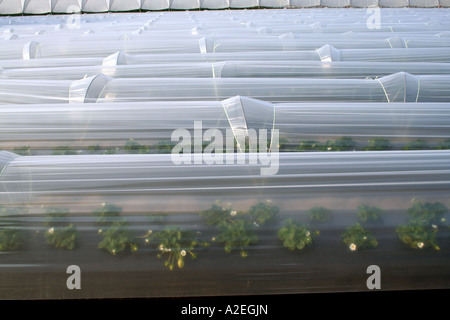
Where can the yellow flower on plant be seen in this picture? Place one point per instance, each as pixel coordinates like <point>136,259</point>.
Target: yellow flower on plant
<point>352,247</point>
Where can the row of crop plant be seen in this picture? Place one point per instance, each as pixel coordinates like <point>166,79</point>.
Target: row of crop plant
<point>236,231</point>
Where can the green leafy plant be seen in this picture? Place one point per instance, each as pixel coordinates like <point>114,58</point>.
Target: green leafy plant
<point>216,214</point>
<point>107,214</point>
<point>64,238</point>
<point>263,212</point>
<point>309,145</point>
<point>61,234</point>
<point>23,151</point>
<point>357,238</point>
<point>115,230</point>
<point>416,145</point>
<point>12,235</point>
<point>427,212</point>
<point>117,237</point>
<point>237,234</point>
<point>111,151</point>
<point>369,214</point>
<point>285,145</point>
<point>132,146</point>
<point>164,146</point>
<point>237,230</point>
<point>63,151</point>
<point>421,229</point>
<point>319,214</point>
<point>296,236</point>
<point>378,144</point>
<point>11,238</point>
<point>175,244</point>
<point>443,145</point>
<point>342,144</point>
<point>418,235</point>
<point>94,149</point>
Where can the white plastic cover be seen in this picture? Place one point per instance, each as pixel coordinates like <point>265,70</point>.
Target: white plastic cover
<point>91,107</point>
<point>69,6</point>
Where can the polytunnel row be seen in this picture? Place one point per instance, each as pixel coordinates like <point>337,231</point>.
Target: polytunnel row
<point>358,172</point>
<point>42,129</point>
<point>399,87</point>
<point>90,6</point>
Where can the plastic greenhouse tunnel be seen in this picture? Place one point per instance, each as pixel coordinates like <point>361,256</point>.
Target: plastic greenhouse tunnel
<point>190,149</point>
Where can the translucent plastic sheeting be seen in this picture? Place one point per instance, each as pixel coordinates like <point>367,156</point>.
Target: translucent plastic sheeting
<point>90,31</point>
<point>103,128</point>
<point>42,91</point>
<point>139,190</point>
<point>44,127</point>
<point>104,48</point>
<point>252,19</point>
<point>347,32</point>
<point>234,69</point>
<point>68,6</point>
<point>399,87</point>
<point>326,53</point>
<point>55,180</point>
<point>400,123</point>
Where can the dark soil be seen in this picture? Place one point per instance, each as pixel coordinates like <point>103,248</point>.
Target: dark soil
<point>39,272</point>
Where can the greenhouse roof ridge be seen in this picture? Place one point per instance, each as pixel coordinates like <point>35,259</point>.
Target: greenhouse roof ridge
<point>15,7</point>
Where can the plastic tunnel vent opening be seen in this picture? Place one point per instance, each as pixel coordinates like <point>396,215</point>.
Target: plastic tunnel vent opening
<point>5,158</point>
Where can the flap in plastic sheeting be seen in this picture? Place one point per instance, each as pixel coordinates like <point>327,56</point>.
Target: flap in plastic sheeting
<point>244,113</point>
<point>207,45</point>
<point>87,90</point>
<point>10,36</point>
<point>289,35</point>
<point>5,159</point>
<point>110,62</point>
<point>328,53</point>
<point>396,42</point>
<point>400,87</point>
<point>115,59</point>
<point>217,68</point>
